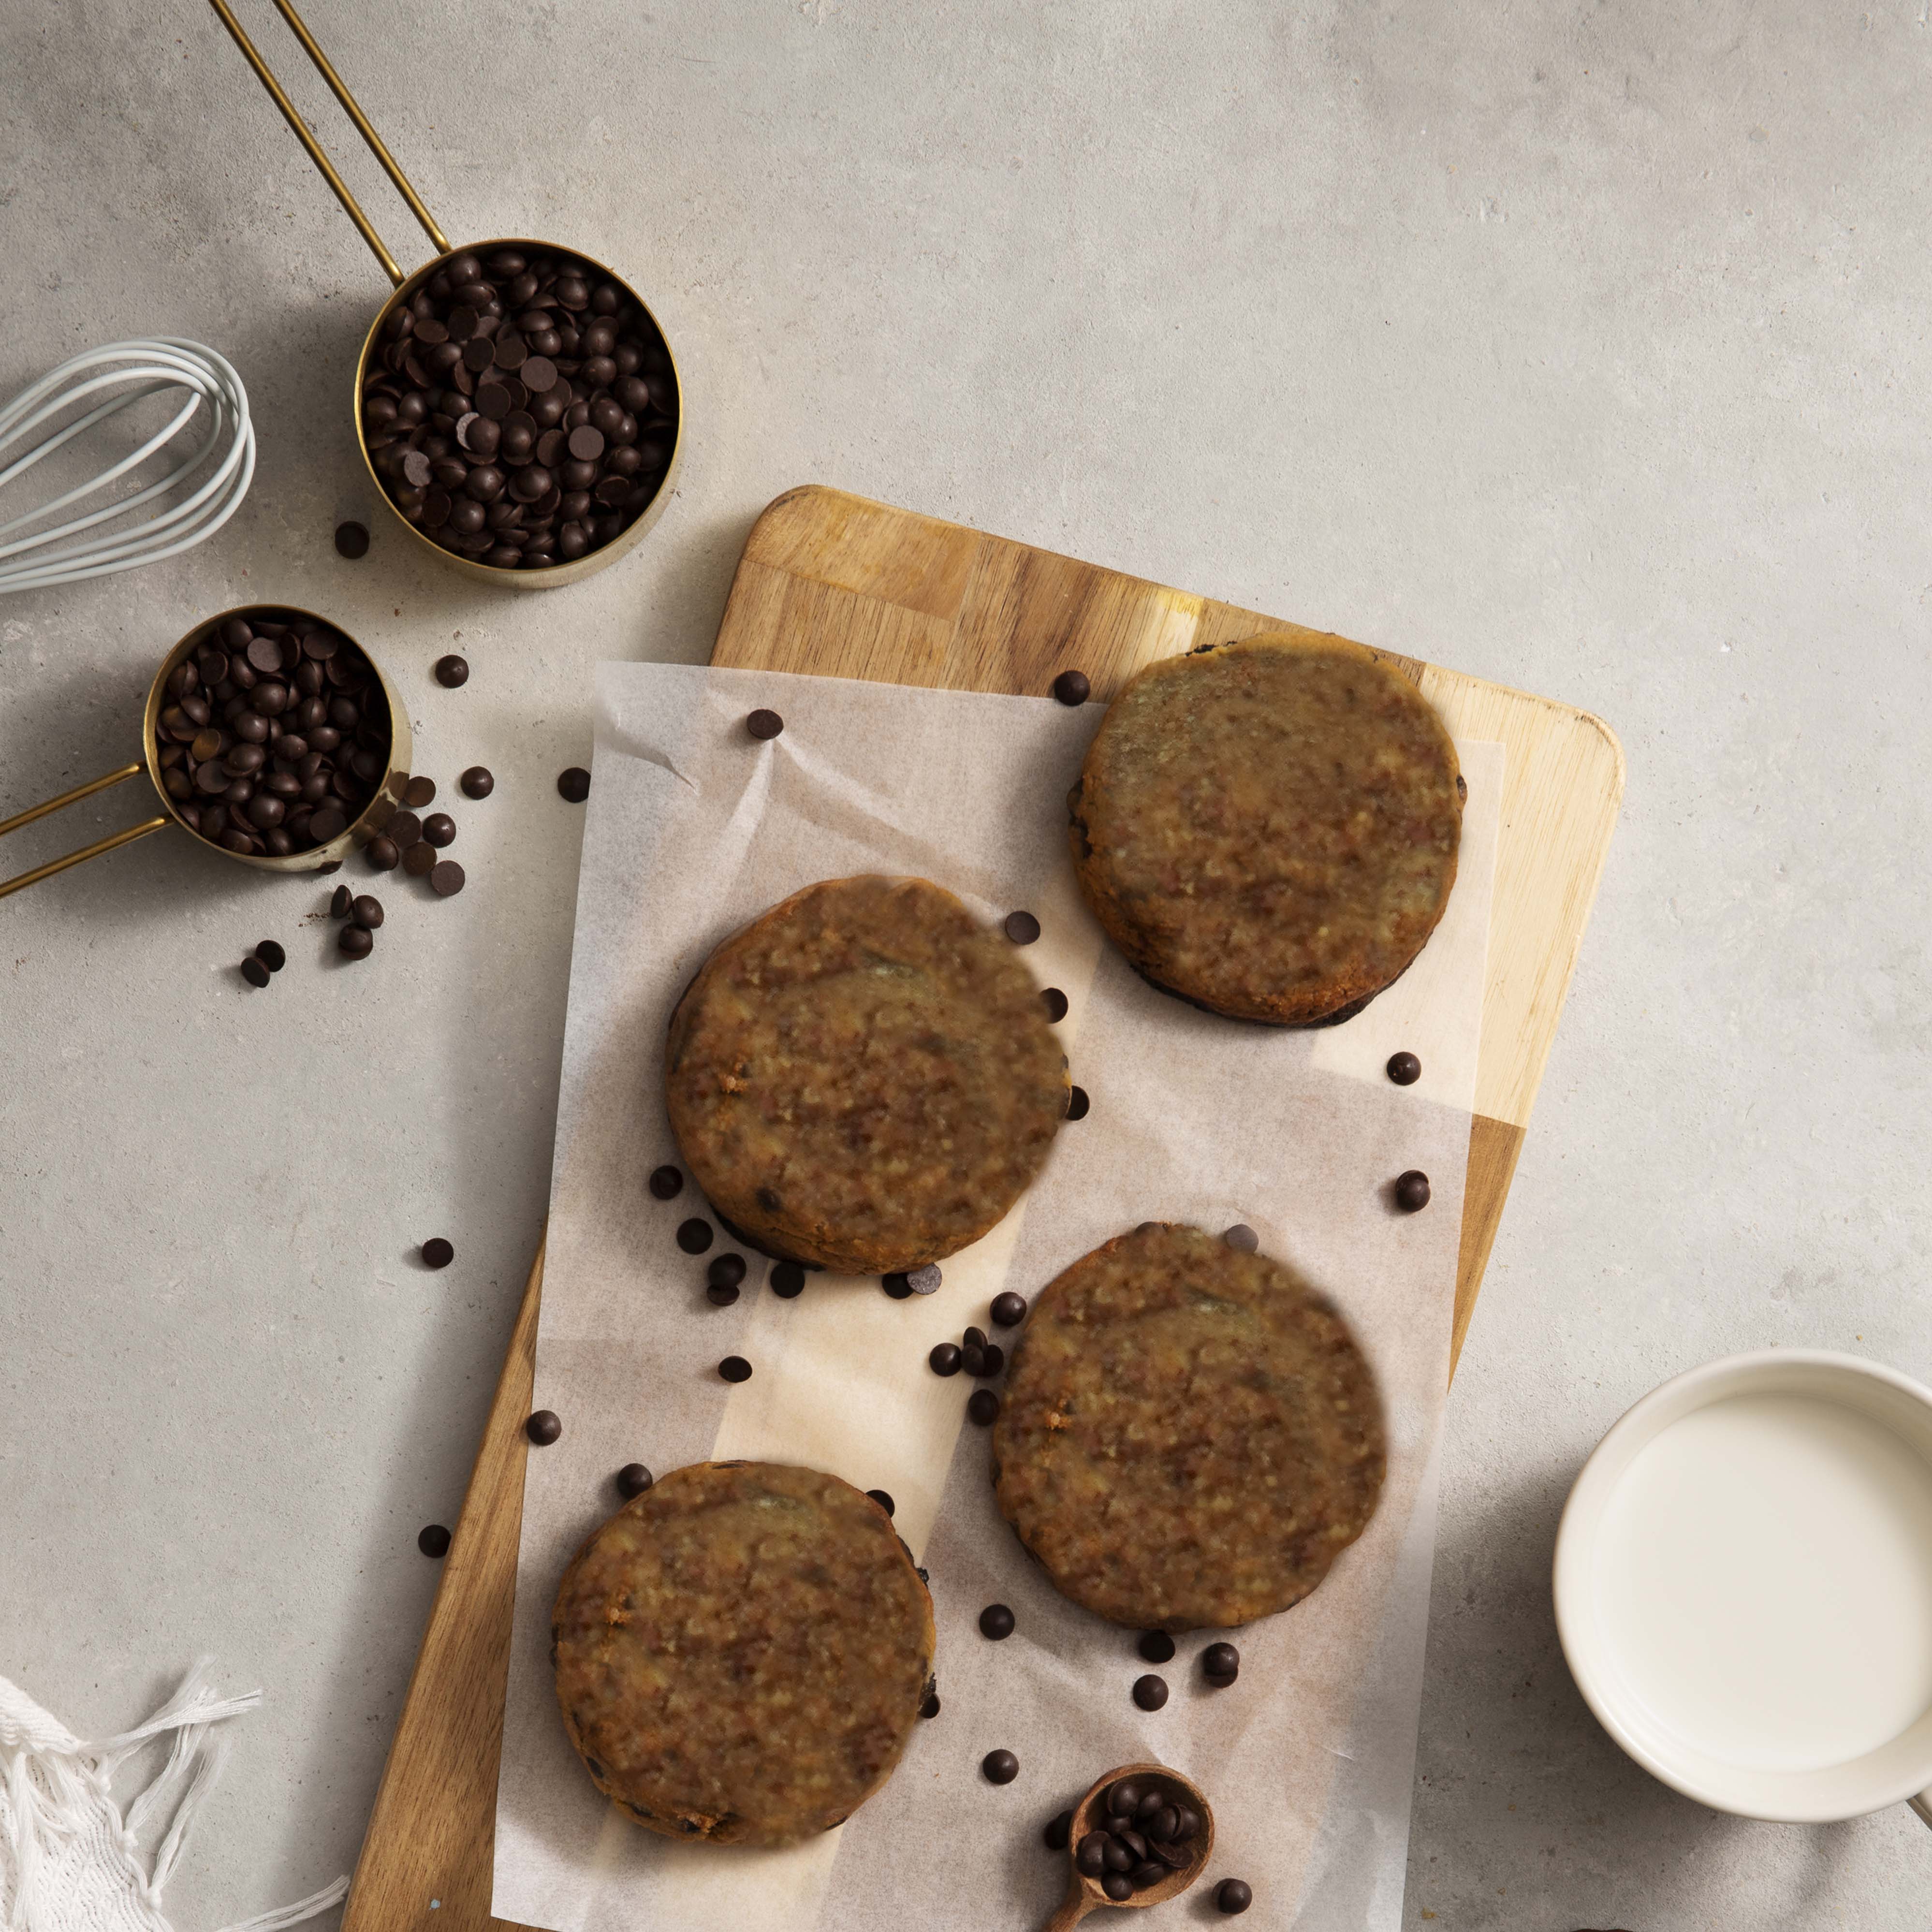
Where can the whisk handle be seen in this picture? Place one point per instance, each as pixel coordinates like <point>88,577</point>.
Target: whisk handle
<point>93,851</point>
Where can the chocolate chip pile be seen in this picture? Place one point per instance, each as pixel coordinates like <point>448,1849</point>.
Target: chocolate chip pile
<point>522,410</point>
<point>1145,1839</point>
<point>275,735</point>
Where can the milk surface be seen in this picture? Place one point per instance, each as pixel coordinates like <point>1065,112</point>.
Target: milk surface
<point>1764,1575</point>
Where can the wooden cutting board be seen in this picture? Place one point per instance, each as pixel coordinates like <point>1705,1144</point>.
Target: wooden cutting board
<point>844,587</point>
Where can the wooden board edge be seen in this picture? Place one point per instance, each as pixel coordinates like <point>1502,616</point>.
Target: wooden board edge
<point>1494,1146</point>
<point>437,1798</point>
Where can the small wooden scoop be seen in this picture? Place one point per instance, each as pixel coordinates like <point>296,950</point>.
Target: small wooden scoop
<point>1084,1894</point>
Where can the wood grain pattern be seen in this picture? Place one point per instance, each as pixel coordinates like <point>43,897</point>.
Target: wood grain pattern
<point>836,585</point>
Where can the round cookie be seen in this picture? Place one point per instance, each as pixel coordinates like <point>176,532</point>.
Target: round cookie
<point>1190,1435</point>
<point>741,1653</point>
<point>864,1077</point>
<point>1269,829</point>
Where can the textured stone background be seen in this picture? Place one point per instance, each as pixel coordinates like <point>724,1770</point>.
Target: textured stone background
<point>1582,347</point>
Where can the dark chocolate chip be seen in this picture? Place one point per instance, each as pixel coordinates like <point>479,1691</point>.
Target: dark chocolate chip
<point>544,1428</point>
<point>1159,1829</point>
<point>446,878</point>
<point>1147,1873</point>
<point>1021,928</point>
<point>1242,1238</point>
<point>383,853</point>
<point>1175,1858</point>
<point>1150,1692</point>
<point>1411,1190</point>
<point>418,792</point>
<point>433,1540</point>
<point>1130,1840</point>
<point>1150,1806</point>
<point>1008,1309</point>
<point>1123,1797</point>
<point>351,540</point>
<point>1404,1069</point>
<point>666,1182</point>
<point>787,1280</point>
<point>896,1286</point>
<point>634,1479</point>
<point>725,1271</point>
<point>451,671</point>
<point>1001,1767</point>
<point>996,1622</point>
<point>694,1236</point>
<point>439,828</point>
<point>735,1369</point>
<point>477,782</point>
<point>367,911</point>
<point>356,941</point>
<point>721,1294</point>
<point>1091,1858</point>
<point>574,783</point>
<point>271,956</point>
<point>1232,1896</point>
<point>764,724</point>
<point>1054,1001</point>
<point>340,901</point>
<point>1057,1830</point>
<point>419,858</point>
<point>1117,1886</point>
<point>254,972</point>
<point>945,1358</point>
<point>1077,1103</point>
<point>973,1359</point>
<point>982,1406</point>
<point>1221,1664</point>
<point>930,1708</point>
<point>992,1361</point>
<point>1157,1646</point>
<point>437,1253</point>
<point>974,1338</point>
<point>1071,687</point>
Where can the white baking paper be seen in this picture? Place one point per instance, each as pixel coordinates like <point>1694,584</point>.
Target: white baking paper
<point>694,828</point>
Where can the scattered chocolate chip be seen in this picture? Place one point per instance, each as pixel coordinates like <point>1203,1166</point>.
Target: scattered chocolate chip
<point>1008,1309</point>
<point>1054,1001</point>
<point>1242,1238</point>
<point>634,1479</point>
<point>1077,1103</point>
<point>982,1406</point>
<point>945,1358</point>
<point>787,1280</point>
<point>973,1359</point>
<point>477,782</point>
<point>271,956</point>
<point>254,972</point>
<point>1220,1664</point>
<point>1411,1190</point>
<point>1404,1069</point>
<point>735,1369</point>
<point>726,1271</point>
<point>383,853</point>
<point>924,1280</point>
<point>437,1253</point>
<point>1021,928</point>
<point>721,1294</point>
<point>992,1361</point>
<point>1057,1832</point>
<point>439,828</point>
<point>418,792</point>
<point>1071,687</point>
<point>574,783</point>
<point>452,671</point>
<point>975,1338</point>
<point>996,1622</point>
<point>544,1428</point>
<point>764,724</point>
<point>352,540</point>
<point>419,859</point>
<point>340,901</point>
<point>1157,1646</point>
<point>367,911</point>
<point>896,1286</point>
<point>1232,1896</point>
<point>884,1501</point>
<point>1001,1767</point>
<point>1150,1692</point>
<point>433,1540</point>
<point>446,878</point>
<point>404,830</point>
<point>694,1236</point>
<point>356,941</point>
<point>930,1708</point>
<point>666,1182</point>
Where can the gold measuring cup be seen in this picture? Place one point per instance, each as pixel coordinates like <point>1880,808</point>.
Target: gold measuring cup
<point>405,288</point>
<point>373,817</point>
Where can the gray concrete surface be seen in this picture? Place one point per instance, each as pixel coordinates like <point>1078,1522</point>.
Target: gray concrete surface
<point>1582,347</point>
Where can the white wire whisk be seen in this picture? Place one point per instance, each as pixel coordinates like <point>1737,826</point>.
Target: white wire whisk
<point>123,373</point>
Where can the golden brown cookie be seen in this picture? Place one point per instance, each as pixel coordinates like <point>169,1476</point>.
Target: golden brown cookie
<point>1269,829</point>
<point>864,1077</point>
<point>742,1652</point>
<point>1190,1435</point>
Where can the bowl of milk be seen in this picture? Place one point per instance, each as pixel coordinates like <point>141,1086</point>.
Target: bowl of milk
<point>1743,1586</point>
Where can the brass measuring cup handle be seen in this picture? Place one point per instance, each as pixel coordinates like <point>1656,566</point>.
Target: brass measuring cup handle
<point>390,266</point>
<point>93,851</point>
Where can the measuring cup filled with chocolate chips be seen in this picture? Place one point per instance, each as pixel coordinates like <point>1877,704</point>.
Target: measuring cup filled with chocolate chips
<point>516,402</point>
<point>269,734</point>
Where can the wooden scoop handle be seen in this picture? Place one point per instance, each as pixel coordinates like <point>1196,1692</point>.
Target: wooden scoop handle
<point>1074,1907</point>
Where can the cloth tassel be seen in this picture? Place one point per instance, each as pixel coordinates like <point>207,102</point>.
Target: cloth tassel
<point>295,1915</point>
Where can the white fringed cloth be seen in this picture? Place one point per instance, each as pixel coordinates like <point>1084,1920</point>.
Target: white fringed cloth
<point>69,1862</point>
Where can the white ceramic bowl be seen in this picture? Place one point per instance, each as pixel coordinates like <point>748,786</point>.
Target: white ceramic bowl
<point>1897,1769</point>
